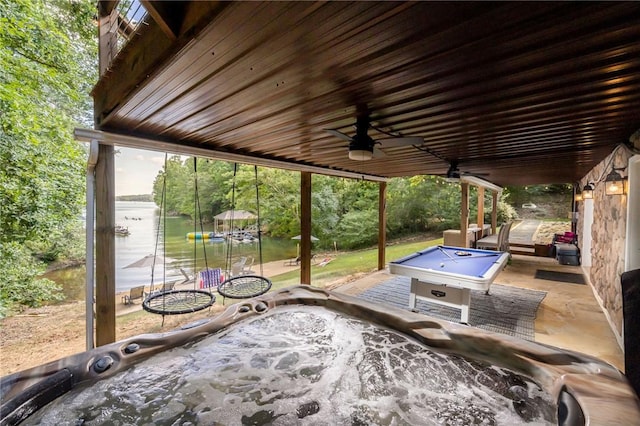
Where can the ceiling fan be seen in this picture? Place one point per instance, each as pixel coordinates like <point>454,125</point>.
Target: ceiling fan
<point>454,174</point>
<point>362,147</point>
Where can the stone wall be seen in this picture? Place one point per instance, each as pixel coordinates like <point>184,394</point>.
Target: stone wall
<point>608,233</point>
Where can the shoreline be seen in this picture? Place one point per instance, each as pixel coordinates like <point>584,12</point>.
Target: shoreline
<point>63,264</point>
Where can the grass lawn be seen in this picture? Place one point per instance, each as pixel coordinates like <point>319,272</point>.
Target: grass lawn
<point>350,263</point>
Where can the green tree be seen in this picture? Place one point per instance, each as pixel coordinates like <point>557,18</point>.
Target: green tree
<point>420,204</point>
<point>279,202</point>
<point>171,187</point>
<point>47,67</point>
<point>325,206</point>
<point>357,211</point>
<point>214,184</point>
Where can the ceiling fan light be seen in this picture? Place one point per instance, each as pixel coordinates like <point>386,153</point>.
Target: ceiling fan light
<point>360,154</point>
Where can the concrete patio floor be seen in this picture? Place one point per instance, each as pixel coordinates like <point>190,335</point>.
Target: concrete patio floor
<point>569,317</point>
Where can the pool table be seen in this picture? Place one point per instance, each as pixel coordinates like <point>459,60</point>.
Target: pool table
<point>446,275</point>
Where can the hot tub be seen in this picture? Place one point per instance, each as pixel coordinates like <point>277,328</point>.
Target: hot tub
<point>307,356</point>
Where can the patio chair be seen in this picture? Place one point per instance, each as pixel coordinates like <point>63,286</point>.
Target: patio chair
<point>499,242</point>
<point>237,267</point>
<point>160,288</point>
<point>167,287</point>
<point>246,268</point>
<point>134,293</point>
<point>292,262</point>
<point>187,278</point>
<point>503,243</point>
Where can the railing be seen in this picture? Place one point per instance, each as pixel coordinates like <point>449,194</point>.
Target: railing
<point>119,24</point>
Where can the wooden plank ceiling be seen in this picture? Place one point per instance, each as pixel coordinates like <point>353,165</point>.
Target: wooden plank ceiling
<point>523,92</point>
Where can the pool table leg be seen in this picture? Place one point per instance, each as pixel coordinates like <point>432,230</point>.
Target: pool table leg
<point>412,295</point>
<point>464,306</point>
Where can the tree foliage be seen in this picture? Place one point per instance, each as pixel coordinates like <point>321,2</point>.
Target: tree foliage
<point>422,203</point>
<point>177,182</point>
<point>47,67</point>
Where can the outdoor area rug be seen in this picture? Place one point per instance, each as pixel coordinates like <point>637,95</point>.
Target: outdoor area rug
<point>507,310</point>
<point>565,277</point>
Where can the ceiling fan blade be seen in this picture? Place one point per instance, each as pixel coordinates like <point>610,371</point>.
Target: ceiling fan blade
<point>338,134</point>
<point>404,141</point>
<point>475,174</point>
<point>378,153</point>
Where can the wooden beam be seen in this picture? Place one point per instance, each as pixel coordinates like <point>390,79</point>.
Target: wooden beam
<point>105,247</point>
<point>494,212</point>
<point>167,14</point>
<point>176,17</point>
<point>105,7</point>
<point>87,135</point>
<point>382,224</point>
<point>480,221</point>
<point>305,228</point>
<point>464,213</point>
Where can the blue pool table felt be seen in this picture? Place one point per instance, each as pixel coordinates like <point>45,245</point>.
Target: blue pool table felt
<point>454,260</point>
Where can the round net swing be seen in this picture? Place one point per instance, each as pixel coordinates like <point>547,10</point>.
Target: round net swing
<point>182,301</point>
<point>243,286</point>
<point>176,302</point>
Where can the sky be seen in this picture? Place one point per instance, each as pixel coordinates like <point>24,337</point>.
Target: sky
<point>136,170</point>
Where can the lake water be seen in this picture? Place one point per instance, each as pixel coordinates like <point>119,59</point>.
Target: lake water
<point>148,236</point>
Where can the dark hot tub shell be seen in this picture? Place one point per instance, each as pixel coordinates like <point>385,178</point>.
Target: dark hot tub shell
<point>587,390</point>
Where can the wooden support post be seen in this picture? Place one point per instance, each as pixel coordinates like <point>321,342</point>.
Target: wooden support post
<point>105,247</point>
<point>480,221</point>
<point>382,224</point>
<point>494,212</point>
<point>464,213</point>
<point>305,228</point>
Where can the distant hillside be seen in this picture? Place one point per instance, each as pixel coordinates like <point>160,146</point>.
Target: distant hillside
<point>141,197</point>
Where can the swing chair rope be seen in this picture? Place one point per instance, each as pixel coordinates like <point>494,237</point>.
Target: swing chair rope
<point>195,222</point>
<point>229,254</point>
<point>259,230</point>
<point>197,213</point>
<point>160,217</point>
<point>163,214</point>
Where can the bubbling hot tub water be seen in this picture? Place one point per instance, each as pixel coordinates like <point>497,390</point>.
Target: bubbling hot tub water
<point>305,365</point>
